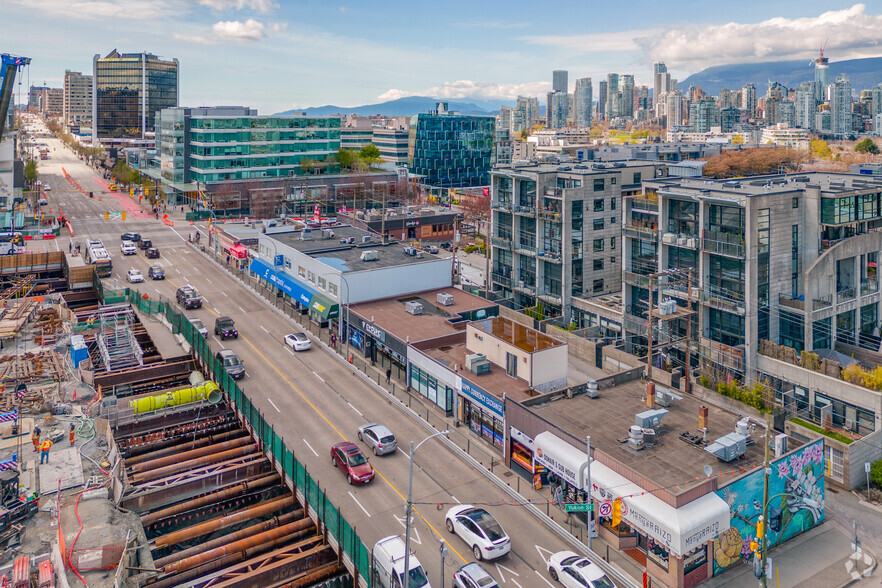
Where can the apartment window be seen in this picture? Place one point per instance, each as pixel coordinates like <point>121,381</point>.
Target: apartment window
<point>301,272</point>
<point>598,224</point>
<point>612,203</point>
<point>612,242</point>
<point>311,277</point>
<point>598,265</point>
<point>638,177</point>
<point>598,244</point>
<point>612,221</point>
<point>599,185</point>
<point>598,205</point>
<point>613,181</point>
<point>796,203</point>
<point>612,260</point>
<point>322,283</point>
<point>598,286</point>
<point>332,289</point>
<point>287,263</point>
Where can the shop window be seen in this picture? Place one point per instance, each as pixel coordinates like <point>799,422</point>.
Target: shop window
<point>332,289</point>
<point>657,552</point>
<point>311,277</point>
<point>322,284</point>
<point>301,271</point>
<point>694,559</point>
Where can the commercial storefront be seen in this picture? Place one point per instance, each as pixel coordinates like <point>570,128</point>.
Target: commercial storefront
<point>432,381</point>
<point>378,346</point>
<point>482,412</point>
<point>322,310</point>
<point>300,294</point>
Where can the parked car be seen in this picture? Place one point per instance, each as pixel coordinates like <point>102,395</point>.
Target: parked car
<point>348,457</point>
<point>387,558</point>
<point>199,326</point>
<point>188,297</point>
<point>298,341</point>
<point>225,328</point>
<point>447,245</point>
<point>42,202</point>
<point>134,276</point>
<point>156,272</point>
<point>472,575</point>
<point>153,253</point>
<point>378,437</point>
<point>576,571</point>
<point>479,529</point>
<point>134,237</point>
<point>127,248</point>
<point>431,249</point>
<point>145,244</point>
<point>231,362</point>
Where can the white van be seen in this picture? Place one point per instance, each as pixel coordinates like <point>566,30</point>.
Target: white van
<point>388,565</point>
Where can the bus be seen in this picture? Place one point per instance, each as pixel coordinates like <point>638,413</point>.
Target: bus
<point>11,243</point>
<point>98,256</point>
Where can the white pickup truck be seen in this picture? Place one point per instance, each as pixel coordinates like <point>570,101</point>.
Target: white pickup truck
<point>388,564</point>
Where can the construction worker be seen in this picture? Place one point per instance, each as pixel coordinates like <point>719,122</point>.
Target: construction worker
<point>44,451</point>
<point>36,438</point>
<point>73,433</point>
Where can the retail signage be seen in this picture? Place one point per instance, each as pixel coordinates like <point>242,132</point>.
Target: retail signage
<point>561,458</point>
<point>279,260</point>
<point>521,438</point>
<point>412,223</point>
<point>483,398</point>
<point>373,331</point>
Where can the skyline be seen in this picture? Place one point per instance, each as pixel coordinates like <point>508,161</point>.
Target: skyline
<point>259,53</point>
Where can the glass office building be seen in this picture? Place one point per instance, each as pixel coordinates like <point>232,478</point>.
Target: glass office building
<point>451,150</point>
<point>128,89</point>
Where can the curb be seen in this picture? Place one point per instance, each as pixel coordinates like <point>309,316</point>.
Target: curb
<point>621,576</point>
<point>863,576</point>
<point>862,502</point>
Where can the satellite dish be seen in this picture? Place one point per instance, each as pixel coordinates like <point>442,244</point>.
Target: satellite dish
<point>708,471</point>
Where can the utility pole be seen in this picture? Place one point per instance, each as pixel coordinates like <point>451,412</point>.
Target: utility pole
<point>649,331</point>
<point>588,489</point>
<point>763,541</point>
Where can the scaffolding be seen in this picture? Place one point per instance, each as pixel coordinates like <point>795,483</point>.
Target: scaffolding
<point>116,339</point>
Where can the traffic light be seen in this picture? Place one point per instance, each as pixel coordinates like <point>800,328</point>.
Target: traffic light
<point>132,192</point>
<point>146,191</point>
<point>760,527</point>
<point>617,512</point>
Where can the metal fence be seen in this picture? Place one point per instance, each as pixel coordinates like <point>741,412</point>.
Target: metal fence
<point>306,488</point>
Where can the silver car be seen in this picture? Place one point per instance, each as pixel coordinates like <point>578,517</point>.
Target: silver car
<point>378,437</point>
<point>472,575</point>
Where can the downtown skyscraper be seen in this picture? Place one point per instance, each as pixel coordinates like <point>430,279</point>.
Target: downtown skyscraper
<point>583,103</point>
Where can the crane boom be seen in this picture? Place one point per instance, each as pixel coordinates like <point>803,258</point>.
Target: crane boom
<point>8,67</point>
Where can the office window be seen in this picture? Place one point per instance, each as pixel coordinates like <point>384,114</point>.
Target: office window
<point>332,289</point>
<point>322,283</point>
<point>598,264</point>
<point>612,203</point>
<point>598,224</point>
<point>598,244</point>
<point>311,277</point>
<point>599,185</point>
<point>612,221</point>
<point>287,263</point>
<point>598,205</point>
<point>598,286</point>
<point>301,272</point>
<point>638,177</point>
<point>612,242</point>
<point>795,202</point>
<point>612,260</point>
<point>613,181</point>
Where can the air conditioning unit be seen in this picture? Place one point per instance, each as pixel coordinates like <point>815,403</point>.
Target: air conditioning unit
<point>413,307</point>
<point>370,255</point>
<point>669,238</point>
<point>780,444</point>
<point>444,299</point>
<point>365,238</point>
<point>728,447</point>
<point>682,241</point>
<point>473,358</point>
<point>479,368</point>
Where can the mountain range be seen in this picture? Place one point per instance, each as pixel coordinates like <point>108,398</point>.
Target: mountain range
<point>864,73</point>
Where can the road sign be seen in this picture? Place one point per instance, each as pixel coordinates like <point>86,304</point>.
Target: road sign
<point>867,467</point>
<point>582,507</point>
<point>279,260</point>
<point>605,509</point>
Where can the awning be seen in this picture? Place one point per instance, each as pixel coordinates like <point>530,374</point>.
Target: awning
<point>293,288</point>
<point>324,307</point>
<point>680,530</point>
<point>239,251</point>
<point>561,458</point>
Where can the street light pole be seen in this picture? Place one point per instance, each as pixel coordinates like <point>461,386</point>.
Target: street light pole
<point>409,508</point>
<point>765,527</point>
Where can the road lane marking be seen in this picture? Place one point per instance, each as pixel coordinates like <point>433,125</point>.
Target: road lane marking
<point>310,447</point>
<point>224,293</point>
<point>543,578</point>
<point>288,349</point>
<point>264,329</point>
<point>406,454</point>
<point>218,342</point>
<point>322,379</point>
<point>455,499</point>
<point>352,407</point>
<point>276,407</point>
<point>358,503</point>
<point>243,310</point>
<point>209,281</point>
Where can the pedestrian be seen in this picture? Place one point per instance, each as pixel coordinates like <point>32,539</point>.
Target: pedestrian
<point>44,451</point>
<point>70,247</point>
<point>388,374</point>
<point>73,432</point>
<point>36,438</point>
<point>334,340</point>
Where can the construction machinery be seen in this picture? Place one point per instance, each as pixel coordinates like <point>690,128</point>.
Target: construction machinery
<point>8,68</point>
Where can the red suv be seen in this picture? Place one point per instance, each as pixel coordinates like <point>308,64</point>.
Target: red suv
<point>348,457</point>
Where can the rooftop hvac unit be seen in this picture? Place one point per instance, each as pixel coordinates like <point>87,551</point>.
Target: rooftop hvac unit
<point>359,215</point>
<point>728,447</point>
<point>444,299</point>
<point>305,235</point>
<point>480,368</point>
<point>413,307</point>
<point>327,234</point>
<point>370,255</point>
<point>591,388</point>
<point>780,444</point>
<point>742,427</point>
<point>365,238</point>
<point>473,358</point>
<point>635,437</point>
<point>650,419</point>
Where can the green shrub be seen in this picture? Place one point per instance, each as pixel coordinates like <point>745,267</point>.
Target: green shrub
<point>822,431</point>
<point>876,472</point>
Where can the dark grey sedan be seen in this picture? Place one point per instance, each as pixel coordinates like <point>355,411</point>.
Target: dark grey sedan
<point>378,437</point>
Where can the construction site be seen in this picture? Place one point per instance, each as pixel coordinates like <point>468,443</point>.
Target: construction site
<point>157,472</point>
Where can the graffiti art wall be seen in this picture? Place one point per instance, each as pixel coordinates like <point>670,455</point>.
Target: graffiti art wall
<point>796,504</point>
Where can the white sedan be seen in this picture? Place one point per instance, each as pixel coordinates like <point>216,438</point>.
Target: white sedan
<point>479,529</point>
<point>134,276</point>
<point>297,341</point>
<point>575,571</point>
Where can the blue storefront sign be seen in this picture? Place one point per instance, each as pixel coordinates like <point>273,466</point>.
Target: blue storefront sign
<point>293,288</point>
<point>486,400</point>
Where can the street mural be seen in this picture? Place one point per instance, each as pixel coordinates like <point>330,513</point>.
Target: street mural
<point>796,504</point>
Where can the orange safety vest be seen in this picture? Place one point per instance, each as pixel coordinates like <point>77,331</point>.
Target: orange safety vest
<point>46,445</point>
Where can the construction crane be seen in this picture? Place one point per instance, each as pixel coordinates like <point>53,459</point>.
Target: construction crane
<point>8,69</point>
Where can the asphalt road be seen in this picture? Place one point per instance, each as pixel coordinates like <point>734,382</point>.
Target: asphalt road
<point>309,398</point>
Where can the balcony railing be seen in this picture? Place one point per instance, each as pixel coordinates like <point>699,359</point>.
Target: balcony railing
<point>723,244</point>
<point>636,325</point>
<point>501,204</point>
<point>552,215</point>
<point>644,204</point>
<point>869,287</point>
<point>554,192</point>
<point>636,279</point>
<point>524,210</point>
<point>525,249</point>
<point>645,233</point>
<point>845,294</point>
<point>553,256</point>
<point>524,286</point>
<point>791,302</point>
<point>822,302</point>
<point>501,242</point>
<point>500,279</point>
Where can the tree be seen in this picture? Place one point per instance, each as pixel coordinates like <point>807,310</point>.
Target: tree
<point>751,162</point>
<point>369,154</point>
<point>346,158</point>
<point>30,171</point>
<point>737,140</point>
<point>522,136</point>
<point>867,146</point>
<point>820,149</point>
<point>876,472</point>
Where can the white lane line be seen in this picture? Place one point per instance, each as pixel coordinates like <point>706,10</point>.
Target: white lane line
<point>310,447</point>
<point>288,349</point>
<point>177,233</point>
<point>359,504</point>
<point>207,280</point>
<point>243,310</point>
<point>352,407</point>
<point>218,341</point>
<point>404,453</point>
<point>276,407</point>
<point>318,376</point>
<point>543,578</point>
<point>224,293</point>
<point>57,248</point>
<point>455,499</point>
<point>264,329</point>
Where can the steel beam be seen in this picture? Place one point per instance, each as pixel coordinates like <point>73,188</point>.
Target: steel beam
<point>198,462</point>
<point>184,457</point>
<point>186,446</point>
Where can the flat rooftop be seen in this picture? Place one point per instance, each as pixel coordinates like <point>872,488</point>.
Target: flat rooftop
<point>390,315</point>
<point>583,168</point>
<point>326,247</point>
<point>671,463</point>
<point>400,212</point>
<point>829,183</point>
<point>521,336</point>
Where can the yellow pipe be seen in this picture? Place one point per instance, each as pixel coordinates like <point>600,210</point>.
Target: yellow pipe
<point>208,391</point>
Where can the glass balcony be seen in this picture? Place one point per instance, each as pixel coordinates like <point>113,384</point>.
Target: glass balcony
<point>645,233</point>
<point>723,244</point>
<point>501,204</point>
<point>524,210</point>
<point>791,302</point>
<point>501,242</point>
<point>551,215</point>
<point>644,204</point>
<point>500,279</point>
<point>845,294</point>
<point>869,287</point>
<point>635,279</point>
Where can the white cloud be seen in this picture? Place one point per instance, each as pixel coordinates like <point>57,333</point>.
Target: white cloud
<point>234,31</point>
<point>619,41</point>
<point>849,33</point>
<point>265,6</point>
<point>469,89</point>
<point>101,9</point>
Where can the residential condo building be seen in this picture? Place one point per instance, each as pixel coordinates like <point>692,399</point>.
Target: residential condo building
<point>77,107</point>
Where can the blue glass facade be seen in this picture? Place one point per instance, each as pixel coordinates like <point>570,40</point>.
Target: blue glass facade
<point>451,150</point>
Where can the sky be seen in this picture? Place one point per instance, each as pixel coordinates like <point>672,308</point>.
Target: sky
<point>276,55</point>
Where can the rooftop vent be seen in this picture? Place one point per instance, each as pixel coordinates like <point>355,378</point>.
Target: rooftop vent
<point>370,255</point>
<point>413,307</point>
<point>305,235</point>
<point>728,447</point>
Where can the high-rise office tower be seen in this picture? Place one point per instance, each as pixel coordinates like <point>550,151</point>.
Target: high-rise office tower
<point>583,102</point>
<point>642,103</point>
<point>659,72</point>
<point>559,81</point>
<point>560,103</point>
<point>128,89</point>
<point>613,97</point>
<point>840,106</point>
<point>627,101</point>
<point>748,99</point>
<point>822,76</point>
<point>525,114</point>
<point>602,91</point>
<point>876,101</point>
<point>728,99</point>
<point>77,98</point>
